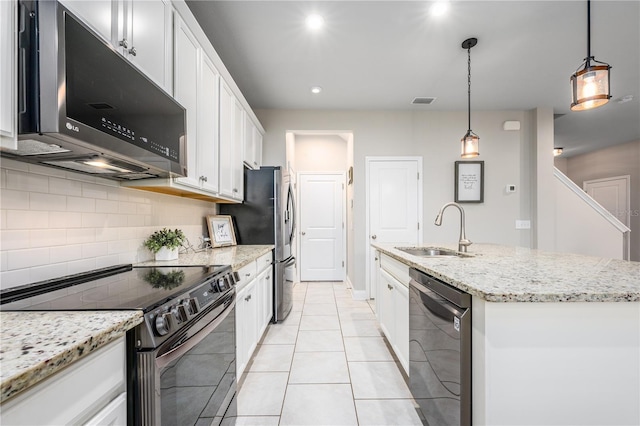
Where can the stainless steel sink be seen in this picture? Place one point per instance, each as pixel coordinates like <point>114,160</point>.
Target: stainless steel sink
<point>431,252</point>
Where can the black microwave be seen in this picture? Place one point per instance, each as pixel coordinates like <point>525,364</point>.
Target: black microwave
<point>83,107</point>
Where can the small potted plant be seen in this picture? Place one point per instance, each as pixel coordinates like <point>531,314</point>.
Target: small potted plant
<point>165,243</point>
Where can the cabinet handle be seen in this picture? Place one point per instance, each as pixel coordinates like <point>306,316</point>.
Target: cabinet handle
<point>373,237</point>
<point>235,190</point>
<point>247,275</point>
<point>255,164</point>
<point>133,51</point>
<point>303,233</point>
<point>268,277</point>
<point>246,299</point>
<point>124,43</point>
<point>376,258</point>
<point>389,287</point>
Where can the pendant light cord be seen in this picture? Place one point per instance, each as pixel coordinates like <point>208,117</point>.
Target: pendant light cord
<point>469,88</point>
<point>588,31</point>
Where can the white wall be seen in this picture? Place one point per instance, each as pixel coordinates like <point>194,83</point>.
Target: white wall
<point>320,153</point>
<point>436,137</point>
<point>54,223</point>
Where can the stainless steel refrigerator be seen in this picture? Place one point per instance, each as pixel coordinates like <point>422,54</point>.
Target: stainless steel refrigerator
<point>267,216</point>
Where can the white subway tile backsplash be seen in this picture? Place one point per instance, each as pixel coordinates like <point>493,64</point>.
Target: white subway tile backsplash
<point>66,253</point>
<point>65,220</point>
<point>14,240</point>
<point>55,223</point>
<point>106,206</point>
<point>22,181</point>
<point>47,171</point>
<point>47,272</point>
<point>79,204</point>
<point>28,258</point>
<point>83,265</point>
<point>14,200</point>
<point>25,219</point>
<point>47,238</point>
<point>63,186</point>
<point>50,202</point>
<point>10,279</point>
<point>95,249</point>
<point>81,236</point>
<point>125,207</point>
<point>91,190</point>
<point>94,220</point>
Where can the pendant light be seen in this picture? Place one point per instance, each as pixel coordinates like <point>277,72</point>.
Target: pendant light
<point>470,141</point>
<point>590,84</point>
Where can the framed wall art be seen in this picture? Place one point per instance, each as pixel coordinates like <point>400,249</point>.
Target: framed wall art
<point>221,230</point>
<point>469,182</point>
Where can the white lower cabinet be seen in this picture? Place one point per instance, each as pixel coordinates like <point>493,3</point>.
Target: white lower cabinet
<point>8,105</point>
<point>254,308</point>
<point>392,307</point>
<point>90,391</point>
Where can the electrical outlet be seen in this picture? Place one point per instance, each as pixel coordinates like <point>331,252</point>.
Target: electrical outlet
<point>523,224</point>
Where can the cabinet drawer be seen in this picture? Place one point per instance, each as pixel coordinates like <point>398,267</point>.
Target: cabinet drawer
<point>397,269</point>
<point>247,273</point>
<point>264,262</point>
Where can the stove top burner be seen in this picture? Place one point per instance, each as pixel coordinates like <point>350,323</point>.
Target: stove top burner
<point>113,288</point>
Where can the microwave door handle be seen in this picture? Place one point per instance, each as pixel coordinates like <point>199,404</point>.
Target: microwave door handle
<point>167,358</point>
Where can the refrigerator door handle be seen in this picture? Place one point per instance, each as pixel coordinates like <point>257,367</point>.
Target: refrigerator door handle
<point>292,213</point>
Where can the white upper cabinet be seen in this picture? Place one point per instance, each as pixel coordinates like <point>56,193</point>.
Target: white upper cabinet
<point>8,106</point>
<point>252,145</point>
<point>140,30</point>
<point>208,147</point>
<point>187,52</point>
<point>231,144</point>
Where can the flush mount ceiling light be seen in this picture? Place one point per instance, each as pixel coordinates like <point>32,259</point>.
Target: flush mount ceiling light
<point>470,141</point>
<point>439,8</point>
<point>314,22</point>
<point>590,84</point>
<point>557,151</point>
<point>316,89</point>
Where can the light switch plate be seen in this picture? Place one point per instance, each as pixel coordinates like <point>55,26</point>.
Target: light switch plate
<point>523,224</point>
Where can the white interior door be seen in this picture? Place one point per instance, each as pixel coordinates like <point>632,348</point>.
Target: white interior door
<point>322,252</point>
<point>613,194</point>
<point>394,205</point>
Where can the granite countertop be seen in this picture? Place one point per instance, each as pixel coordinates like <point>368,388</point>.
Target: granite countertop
<point>515,274</point>
<point>35,345</point>
<point>236,256</point>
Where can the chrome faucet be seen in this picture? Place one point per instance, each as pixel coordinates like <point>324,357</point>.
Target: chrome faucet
<point>463,243</point>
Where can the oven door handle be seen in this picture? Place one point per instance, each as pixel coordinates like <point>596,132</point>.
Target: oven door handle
<point>167,358</point>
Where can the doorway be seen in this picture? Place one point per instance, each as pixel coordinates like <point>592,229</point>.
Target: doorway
<point>320,162</point>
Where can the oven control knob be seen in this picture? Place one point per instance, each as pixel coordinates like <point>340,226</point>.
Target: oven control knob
<point>163,323</point>
<point>182,312</point>
<point>193,305</point>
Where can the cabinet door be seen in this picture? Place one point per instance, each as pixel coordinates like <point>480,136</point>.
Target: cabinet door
<point>208,96</point>
<point>385,304</point>
<point>401,317</point>
<point>114,414</point>
<point>149,36</point>
<point>101,15</point>
<point>227,105</point>
<point>241,339</point>
<point>238,143</point>
<point>250,148</point>
<point>8,105</point>
<point>186,53</point>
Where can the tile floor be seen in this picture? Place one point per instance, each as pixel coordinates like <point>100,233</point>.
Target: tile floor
<point>326,364</point>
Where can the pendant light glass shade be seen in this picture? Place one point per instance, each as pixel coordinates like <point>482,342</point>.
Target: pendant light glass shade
<point>590,87</point>
<point>590,84</point>
<point>470,141</point>
<point>470,145</point>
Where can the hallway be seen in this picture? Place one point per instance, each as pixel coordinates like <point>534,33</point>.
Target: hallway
<point>326,364</point>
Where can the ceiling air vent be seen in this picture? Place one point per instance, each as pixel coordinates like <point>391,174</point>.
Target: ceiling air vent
<point>423,101</point>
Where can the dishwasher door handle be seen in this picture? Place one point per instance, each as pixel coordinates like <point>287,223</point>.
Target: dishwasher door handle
<point>441,308</point>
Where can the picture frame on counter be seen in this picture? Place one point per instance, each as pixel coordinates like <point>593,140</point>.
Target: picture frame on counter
<point>221,230</point>
<point>469,182</point>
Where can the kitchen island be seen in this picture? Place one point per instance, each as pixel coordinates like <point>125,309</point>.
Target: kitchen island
<point>555,337</point>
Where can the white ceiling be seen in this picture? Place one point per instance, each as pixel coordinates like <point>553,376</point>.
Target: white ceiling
<point>379,55</point>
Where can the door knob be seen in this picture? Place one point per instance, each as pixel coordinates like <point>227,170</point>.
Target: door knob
<point>373,237</point>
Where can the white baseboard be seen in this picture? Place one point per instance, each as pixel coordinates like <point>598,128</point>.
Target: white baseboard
<point>359,294</point>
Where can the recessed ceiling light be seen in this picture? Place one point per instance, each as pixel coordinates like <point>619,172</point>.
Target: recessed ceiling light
<point>439,8</point>
<point>314,22</point>
<point>316,89</point>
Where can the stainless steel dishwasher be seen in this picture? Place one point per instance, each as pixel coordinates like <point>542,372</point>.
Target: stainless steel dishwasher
<point>439,350</point>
